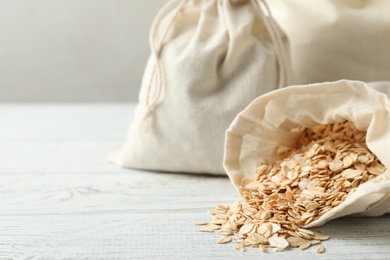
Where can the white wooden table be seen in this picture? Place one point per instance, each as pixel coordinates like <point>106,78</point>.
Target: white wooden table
<point>60,199</point>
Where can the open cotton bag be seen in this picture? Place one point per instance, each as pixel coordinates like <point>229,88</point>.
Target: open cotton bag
<point>210,58</point>
<point>336,39</point>
<point>267,124</point>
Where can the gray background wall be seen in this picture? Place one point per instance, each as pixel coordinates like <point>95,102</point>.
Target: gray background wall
<point>73,50</point>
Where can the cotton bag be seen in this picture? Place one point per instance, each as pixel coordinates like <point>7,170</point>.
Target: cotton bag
<point>265,125</point>
<point>209,59</point>
<point>336,39</point>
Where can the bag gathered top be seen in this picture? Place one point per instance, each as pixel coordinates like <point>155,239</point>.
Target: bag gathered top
<point>209,59</point>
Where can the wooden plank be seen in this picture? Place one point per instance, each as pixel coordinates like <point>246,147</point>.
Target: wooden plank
<point>120,216</point>
<point>52,194</point>
<point>60,199</point>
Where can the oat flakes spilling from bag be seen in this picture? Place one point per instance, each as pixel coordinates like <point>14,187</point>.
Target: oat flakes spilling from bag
<point>327,164</point>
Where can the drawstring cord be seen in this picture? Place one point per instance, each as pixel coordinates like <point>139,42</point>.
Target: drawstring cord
<point>151,102</point>
<point>284,77</point>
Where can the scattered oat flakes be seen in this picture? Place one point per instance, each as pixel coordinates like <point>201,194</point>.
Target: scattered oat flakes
<point>245,229</point>
<point>217,221</point>
<point>260,238</point>
<point>266,215</point>
<point>321,237</point>
<point>350,173</point>
<point>278,242</point>
<point>240,247</point>
<point>295,241</point>
<point>305,245</point>
<point>201,223</point>
<point>212,211</point>
<point>320,249</point>
<point>224,240</point>
<point>214,227</point>
<point>263,249</point>
<point>315,242</point>
<point>204,229</point>
<point>225,232</point>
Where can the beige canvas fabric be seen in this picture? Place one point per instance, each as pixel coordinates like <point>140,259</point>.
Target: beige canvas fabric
<point>381,86</point>
<point>209,59</point>
<point>261,128</point>
<point>336,39</point>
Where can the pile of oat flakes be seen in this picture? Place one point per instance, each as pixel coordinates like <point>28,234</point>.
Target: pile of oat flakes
<point>327,164</point>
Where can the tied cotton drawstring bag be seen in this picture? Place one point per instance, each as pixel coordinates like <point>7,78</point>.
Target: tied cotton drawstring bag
<point>336,39</point>
<point>333,177</point>
<point>209,59</point>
